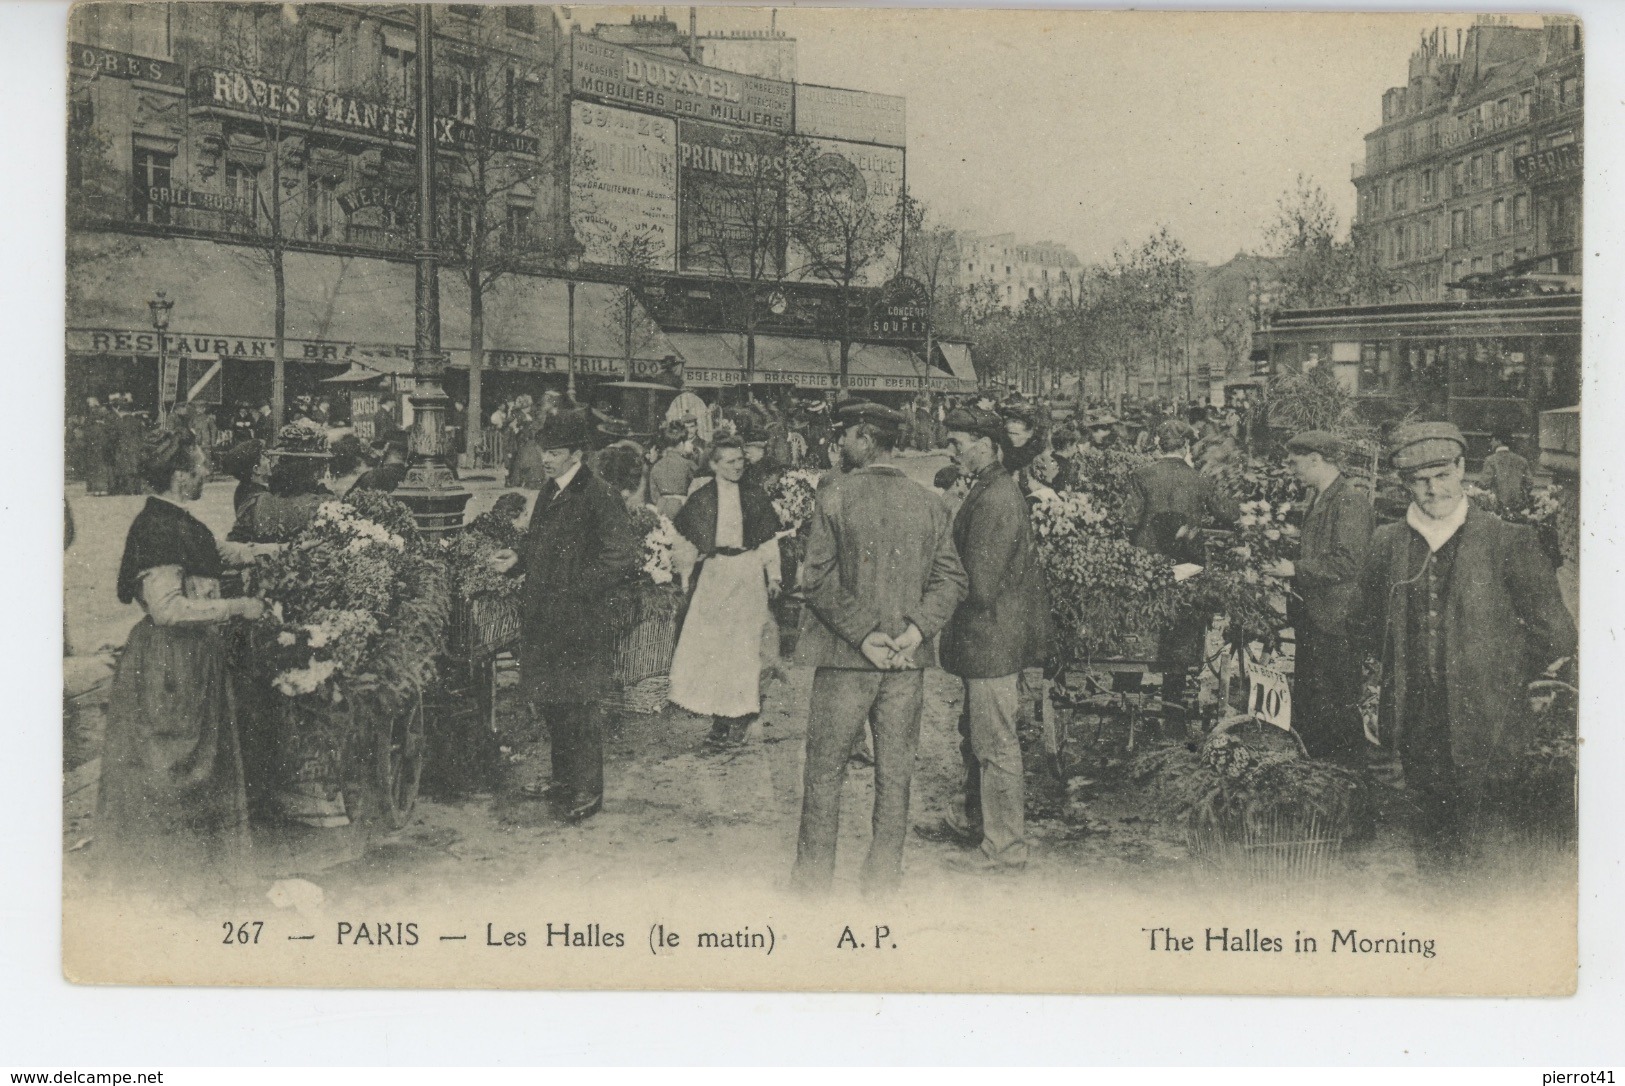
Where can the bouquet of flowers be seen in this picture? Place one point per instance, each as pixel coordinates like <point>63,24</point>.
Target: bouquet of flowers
<point>659,537</point>
<point>792,493</point>
<point>1105,475</point>
<point>1107,596</point>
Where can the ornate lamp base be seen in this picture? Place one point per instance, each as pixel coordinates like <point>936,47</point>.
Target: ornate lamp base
<point>434,496</point>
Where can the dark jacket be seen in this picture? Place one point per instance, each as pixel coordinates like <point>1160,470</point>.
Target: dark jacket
<point>1166,491</point>
<point>578,552</point>
<point>1336,536</point>
<point>697,519</point>
<point>1003,624</point>
<point>1506,475</point>
<point>1504,621</point>
<point>384,477</point>
<point>880,555</point>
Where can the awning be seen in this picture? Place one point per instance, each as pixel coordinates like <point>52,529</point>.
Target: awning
<point>963,370</point>
<point>710,359</point>
<point>370,366</point>
<point>884,368</point>
<point>340,310</point>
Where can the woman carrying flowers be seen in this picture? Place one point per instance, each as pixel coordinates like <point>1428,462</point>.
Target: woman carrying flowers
<point>172,801</point>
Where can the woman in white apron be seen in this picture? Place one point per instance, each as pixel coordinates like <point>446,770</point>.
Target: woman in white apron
<point>716,670</point>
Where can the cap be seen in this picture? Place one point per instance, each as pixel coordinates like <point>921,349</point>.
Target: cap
<point>1319,441</point>
<point>1097,420</point>
<point>1425,445</point>
<point>945,477</point>
<point>563,430</point>
<point>975,420</point>
<point>855,411</point>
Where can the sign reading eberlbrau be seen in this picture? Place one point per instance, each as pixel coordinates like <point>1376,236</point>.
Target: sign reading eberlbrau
<point>619,74</point>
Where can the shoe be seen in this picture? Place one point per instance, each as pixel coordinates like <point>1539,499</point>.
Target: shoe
<point>946,831</point>
<point>980,863</point>
<point>547,791</point>
<point>582,811</point>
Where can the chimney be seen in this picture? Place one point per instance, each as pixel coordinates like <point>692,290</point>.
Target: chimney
<point>693,23</point>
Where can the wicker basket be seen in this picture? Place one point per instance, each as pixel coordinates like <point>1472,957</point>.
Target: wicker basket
<point>646,643</point>
<point>483,625</point>
<point>1289,848</point>
<point>646,697</point>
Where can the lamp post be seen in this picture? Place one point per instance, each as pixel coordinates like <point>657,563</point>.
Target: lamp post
<point>572,265</point>
<point>430,489</point>
<point>160,307</point>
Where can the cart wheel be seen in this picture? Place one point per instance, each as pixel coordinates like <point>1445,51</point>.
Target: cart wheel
<point>400,764</point>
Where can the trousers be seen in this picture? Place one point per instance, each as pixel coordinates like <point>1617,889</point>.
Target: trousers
<point>577,732</point>
<point>991,706</point>
<point>1326,712</point>
<point>842,700</point>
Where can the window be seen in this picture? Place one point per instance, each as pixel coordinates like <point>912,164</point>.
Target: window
<point>1456,270</point>
<point>461,92</point>
<point>243,183</point>
<point>1478,265</point>
<point>1475,224</point>
<point>1520,148</point>
<point>81,132</point>
<point>1498,218</point>
<point>1520,211</point>
<point>1524,98</point>
<point>399,70</point>
<point>1458,172</point>
<point>1498,261</point>
<point>1568,92</point>
<point>1520,255</point>
<point>1399,194</point>
<point>517,233</point>
<point>322,56</point>
<point>153,170</point>
<point>321,210</point>
<point>1503,112</point>
<point>1458,229</point>
<point>970,267</point>
<point>514,102</point>
<point>1475,172</point>
<point>149,29</point>
<point>1427,186</point>
<point>1498,166</point>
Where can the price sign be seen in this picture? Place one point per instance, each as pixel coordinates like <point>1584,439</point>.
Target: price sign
<point>1269,698</point>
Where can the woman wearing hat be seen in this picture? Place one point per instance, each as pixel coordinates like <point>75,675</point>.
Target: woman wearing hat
<point>299,461</point>
<point>172,801</point>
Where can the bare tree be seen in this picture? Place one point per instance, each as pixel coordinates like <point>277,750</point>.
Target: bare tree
<point>498,215</point>
<point>1317,267</point>
<point>842,234</point>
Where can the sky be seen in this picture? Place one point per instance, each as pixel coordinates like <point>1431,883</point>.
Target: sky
<point>1095,128</point>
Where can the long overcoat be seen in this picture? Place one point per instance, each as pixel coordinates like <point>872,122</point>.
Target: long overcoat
<point>1336,536</point>
<point>1503,619</point>
<point>1003,624</point>
<point>579,555</point>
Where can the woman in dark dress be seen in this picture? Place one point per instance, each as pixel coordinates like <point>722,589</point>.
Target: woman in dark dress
<point>172,804</point>
<point>299,462</point>
<point>250,464</point>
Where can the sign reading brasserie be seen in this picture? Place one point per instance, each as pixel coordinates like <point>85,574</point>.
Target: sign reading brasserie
<point>247,93</point>
<point>619,74</point>
<point>1551,163</point>
<point>90,58</point>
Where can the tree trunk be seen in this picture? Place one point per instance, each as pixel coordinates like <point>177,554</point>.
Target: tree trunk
<point>476,364</point>
<point>279,364</point>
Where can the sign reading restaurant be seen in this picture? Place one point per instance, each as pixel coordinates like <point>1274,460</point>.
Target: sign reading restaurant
<point>255,96</point>
<point>617,74</point>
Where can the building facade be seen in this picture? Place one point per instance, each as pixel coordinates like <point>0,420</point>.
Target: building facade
<point>1474,175</point>
<point>1010,272</point>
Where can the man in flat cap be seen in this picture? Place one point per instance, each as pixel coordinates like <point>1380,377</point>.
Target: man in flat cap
<point>1325,583</point>
<point>580,548</point>
<point>881,579</point>
<point>1102,429</point>
<point>1000,629</point>
<point>1464,611</point>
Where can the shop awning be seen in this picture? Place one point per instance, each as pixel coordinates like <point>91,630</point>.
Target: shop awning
<point>370,366</point>
<point>710,359</point>
<point>340,310</point>
<point>963,370</point>
<point>884,368</point>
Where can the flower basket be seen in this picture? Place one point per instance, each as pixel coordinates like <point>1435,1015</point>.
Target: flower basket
<point>483,625</point>
<point>649,637</point>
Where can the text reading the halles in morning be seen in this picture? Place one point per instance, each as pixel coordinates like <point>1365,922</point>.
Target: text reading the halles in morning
<point>1257,941</point>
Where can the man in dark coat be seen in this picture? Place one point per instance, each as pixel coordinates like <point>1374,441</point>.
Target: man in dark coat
<point>881,579</point>
<point>1325,583</point>
<point>1001,628</point>
<point>1464,611</point>
<point>129,436</point>
<point>389,475</point>
<point>580,548</point>
<point>1506,475</point>
<point>1169,499</point>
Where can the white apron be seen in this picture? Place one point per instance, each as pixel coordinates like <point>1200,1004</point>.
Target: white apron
<point>716,670</point>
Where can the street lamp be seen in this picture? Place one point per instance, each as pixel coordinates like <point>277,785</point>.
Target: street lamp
<point>430,489</point>
<point>160,307</point>
<point>572,265</point>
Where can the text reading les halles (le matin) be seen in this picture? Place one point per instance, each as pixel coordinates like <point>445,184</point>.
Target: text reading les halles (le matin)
<point>1257,941</point>
<point>553,935</point>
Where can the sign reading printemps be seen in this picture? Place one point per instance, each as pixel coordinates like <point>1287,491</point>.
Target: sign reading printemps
<point>842,114</point>
<point>627,76</point>
<point>623,182</point>
<point>246,93</point>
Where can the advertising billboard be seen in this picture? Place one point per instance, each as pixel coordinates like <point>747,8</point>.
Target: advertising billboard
<point>675,87</point>
<point>623,182</point>
<point>731,215</point>
<point>837,113</point>
<point>862,174</point>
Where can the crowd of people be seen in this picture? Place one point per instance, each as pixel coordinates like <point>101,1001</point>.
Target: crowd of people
<point>896,577</point>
